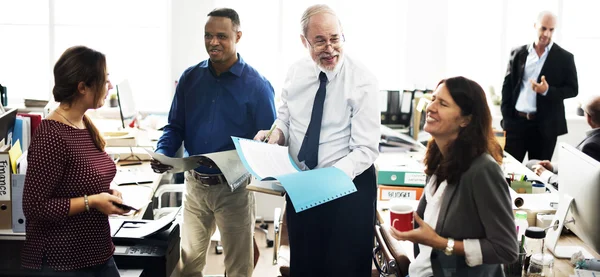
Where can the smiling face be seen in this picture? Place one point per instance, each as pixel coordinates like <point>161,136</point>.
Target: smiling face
<point>220,39</point>
<point>444,119</point>
<point>324,40</point>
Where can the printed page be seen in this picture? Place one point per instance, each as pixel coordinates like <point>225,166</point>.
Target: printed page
<point>228,162</point>
<point>231,166</point>
<point>133,229</point>
<point>136,197</point>
<point>265,160</point>
<point>178,164</point>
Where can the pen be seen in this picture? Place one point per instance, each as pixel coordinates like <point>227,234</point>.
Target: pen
<point>135,183</point>
<point>134,163</point>
<point>269,133</point>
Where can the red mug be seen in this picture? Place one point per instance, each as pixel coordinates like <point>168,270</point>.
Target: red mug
<point>401,217</point>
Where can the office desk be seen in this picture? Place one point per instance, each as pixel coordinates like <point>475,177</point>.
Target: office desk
<point>562,267</point>
<point>146,170</point>
<point>533,204</point>
<point>11,260</point>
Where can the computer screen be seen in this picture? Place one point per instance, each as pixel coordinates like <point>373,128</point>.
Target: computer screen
<point>7,123</point>
<point>125,99</point>
<point>579,178</point>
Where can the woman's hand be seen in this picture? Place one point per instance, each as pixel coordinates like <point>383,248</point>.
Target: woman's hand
<point>103,202</point>
<point>115,193</point>
<point>423,235</point>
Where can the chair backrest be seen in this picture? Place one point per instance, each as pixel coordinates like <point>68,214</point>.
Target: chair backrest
<point>172,189</point>
<point>389,259</point>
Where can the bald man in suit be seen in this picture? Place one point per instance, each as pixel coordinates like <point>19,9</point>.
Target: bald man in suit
<point>539,77</point>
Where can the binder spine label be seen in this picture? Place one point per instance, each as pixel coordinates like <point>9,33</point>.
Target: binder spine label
<point>4,179</point>
<point>398,194</point>
<point>415,178</point>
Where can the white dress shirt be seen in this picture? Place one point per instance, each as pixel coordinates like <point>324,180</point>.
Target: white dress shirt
<point>527,101</point>
<point>421,266</point>
<point>350,131</point>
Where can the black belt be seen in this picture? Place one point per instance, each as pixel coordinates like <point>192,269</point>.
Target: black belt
<point>528,116</point>
<point>209,180</point>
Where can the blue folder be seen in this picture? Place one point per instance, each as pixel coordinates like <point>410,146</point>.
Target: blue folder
<point>306,189</point>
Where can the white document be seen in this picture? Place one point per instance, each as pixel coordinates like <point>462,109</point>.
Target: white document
<point>267,160</point>
<point>136,197</point>
<point>133,229</point>
<point>228,162</point>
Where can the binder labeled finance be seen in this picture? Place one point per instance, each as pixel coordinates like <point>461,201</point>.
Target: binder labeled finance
<point>5,194</point>
<point>306,189</point>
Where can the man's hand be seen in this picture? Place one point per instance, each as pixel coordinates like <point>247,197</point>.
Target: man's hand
<point>546,164</point>
<point>276,136</point>
<point>541,87</point>
<point>538,169</point>
<point>159,167</point>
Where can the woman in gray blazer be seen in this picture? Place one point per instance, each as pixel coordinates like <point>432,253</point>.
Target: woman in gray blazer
<point>464,224</point>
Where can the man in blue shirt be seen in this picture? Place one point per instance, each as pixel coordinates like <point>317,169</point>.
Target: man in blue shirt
<point>214,100</point>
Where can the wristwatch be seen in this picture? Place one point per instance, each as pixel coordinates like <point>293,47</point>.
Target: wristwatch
<point>449,247</point>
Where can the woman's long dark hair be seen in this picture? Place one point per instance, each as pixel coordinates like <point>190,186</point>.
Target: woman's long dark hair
<point>80,64</point>
<point>472,141</point>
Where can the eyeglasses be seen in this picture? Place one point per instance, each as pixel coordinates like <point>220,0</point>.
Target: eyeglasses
<point>322,44</point>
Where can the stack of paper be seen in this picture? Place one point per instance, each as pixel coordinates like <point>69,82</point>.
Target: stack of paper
<point>120,139</point>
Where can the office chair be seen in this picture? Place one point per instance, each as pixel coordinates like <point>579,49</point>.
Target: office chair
<point>388,258</point>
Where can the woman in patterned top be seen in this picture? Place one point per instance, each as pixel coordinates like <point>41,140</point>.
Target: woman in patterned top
<point>67,196</point>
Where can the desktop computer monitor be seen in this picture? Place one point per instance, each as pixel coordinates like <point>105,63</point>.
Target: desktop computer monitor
<point>579,190</point>
<point>125,100</point>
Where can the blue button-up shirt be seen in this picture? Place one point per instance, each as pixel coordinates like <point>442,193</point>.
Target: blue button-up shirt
<point>207,110</point>
<point>527,101</point>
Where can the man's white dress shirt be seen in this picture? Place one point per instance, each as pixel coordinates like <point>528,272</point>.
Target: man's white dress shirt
<point>350,131</point>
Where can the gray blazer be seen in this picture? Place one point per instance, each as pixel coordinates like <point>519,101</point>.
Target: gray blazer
<point>478,207</point>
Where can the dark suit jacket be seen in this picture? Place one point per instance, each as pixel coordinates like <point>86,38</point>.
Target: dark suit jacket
<point>478,207</point>
<point>561,75</point>
<point>590,145</point>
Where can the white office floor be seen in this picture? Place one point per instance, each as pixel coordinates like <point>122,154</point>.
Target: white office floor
<point>215,266</point>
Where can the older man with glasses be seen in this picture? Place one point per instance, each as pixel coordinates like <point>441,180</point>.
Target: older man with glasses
<point>335,238</point>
